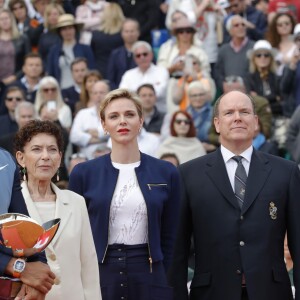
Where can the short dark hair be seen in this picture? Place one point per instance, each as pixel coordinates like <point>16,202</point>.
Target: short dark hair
<point>32,55</point>
<point>35,127</point>
<point>192,130</point>
<point>170,154</point>
<point>14,88</point>
<point>78,60</point>
<point>146,85</point>
<point>12,3</point>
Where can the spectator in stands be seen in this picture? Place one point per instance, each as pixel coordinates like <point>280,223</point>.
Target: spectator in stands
<point>61,56</point>
<point>79,69</point>
<point>279,35</point>
<point>146,72</point>
<point>290,87</point>
<point>146,12</point>
<point>205,14</point>
<point>87,132</point>
<point>293,136</point>
<point>24,112</point>
<point>90,78</point>
<point>13,48</point>
<point>13,97</point>
<point>183,141</point>
<point>263,80</point>
<point>255,21</point>
<point>232,58</point>
<point>200,110</point>
<point>90,13</point>
<point>75,159</point>
<point>49,92</point>
<point>171,157</point>
<point>37,18</point>
<point>262,144</point>
<point>49,37</point>
<point>24,23</point>
<point>171,55</point>
<point>191,72</point>
<point>121,59</point>
<point>261,5</point>
<point>32,74</point>
<point>39,7</point>
<point>107,37</point>
<point>153,119</point>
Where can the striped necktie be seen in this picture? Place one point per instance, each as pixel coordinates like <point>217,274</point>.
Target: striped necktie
<point>240,180</point>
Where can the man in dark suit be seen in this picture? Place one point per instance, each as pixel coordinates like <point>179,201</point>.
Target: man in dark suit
<point>121,59</point>
<point>238,214</point>
<point>71,95</point>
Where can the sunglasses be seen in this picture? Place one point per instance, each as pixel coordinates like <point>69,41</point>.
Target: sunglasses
<point>239,25</point>
<point>179,121</point>
<point>280,24</point>
<point>13,98</point>
<point>47,90</point>
<point>139,55</point>
<point>262,55</point>
<point>184,30</point>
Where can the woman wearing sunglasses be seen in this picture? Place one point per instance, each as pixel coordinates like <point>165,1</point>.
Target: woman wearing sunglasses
<point>262,77</point>
<point>183,141</point>
<point>49,92</point>
<point>172,55</point>
<point>279,35</point>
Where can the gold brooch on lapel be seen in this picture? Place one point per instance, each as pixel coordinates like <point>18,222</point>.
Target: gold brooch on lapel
<point>273,211</point>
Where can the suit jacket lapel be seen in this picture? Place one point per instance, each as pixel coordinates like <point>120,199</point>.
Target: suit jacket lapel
<point>258,174</point>
<point>62,211</point>
<point>217,172</point>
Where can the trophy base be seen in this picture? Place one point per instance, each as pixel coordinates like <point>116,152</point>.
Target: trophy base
<point>9,289</point>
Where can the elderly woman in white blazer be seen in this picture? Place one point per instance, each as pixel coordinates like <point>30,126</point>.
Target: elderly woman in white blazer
<point>71,255</point>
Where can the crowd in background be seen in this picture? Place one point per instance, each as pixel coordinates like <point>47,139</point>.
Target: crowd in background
<point>59,59</point>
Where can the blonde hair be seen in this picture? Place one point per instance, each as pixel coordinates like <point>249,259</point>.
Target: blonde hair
<point>48,9</point>
<point>14,29</point>
<point>253,67</point>
<point>113,19</point>
<point>40,100</point>
<point>118,94</point>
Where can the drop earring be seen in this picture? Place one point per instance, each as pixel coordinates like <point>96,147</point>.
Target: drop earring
<point>24,171</point>
<point>57,175</point>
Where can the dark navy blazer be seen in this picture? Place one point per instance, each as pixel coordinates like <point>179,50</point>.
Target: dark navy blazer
<point>96,180</point>
<point>79,50</point>
<point>230,241</point>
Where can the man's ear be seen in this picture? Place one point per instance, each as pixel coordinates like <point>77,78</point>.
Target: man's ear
<point>216,123</point>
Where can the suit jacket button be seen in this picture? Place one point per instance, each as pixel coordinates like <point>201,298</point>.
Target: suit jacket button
<point>242,217</point>
<point>242,243</point>
<point>239,272</point>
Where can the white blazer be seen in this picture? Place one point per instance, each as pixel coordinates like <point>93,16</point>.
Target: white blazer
<point>71,255</point>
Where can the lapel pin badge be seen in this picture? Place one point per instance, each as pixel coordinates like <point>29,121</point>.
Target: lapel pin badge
<point>273,211</point>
